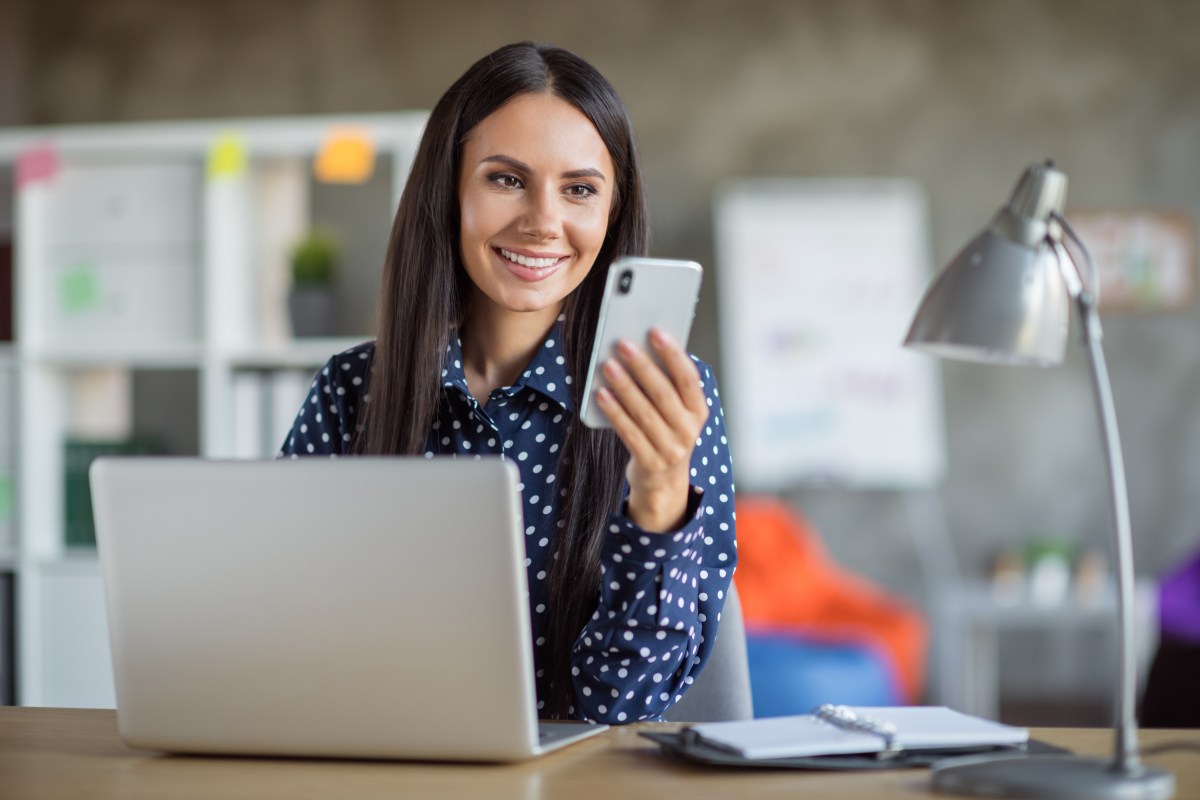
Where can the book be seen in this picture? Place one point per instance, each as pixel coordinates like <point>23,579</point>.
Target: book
<point>79,527</point>
<point>841,730</point>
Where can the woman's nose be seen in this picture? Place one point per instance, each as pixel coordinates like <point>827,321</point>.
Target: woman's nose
<point>541,219</point>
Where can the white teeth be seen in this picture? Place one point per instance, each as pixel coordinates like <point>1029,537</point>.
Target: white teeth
<point>524,261</point>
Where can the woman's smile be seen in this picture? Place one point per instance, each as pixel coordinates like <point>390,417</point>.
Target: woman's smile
<point>529,266</point>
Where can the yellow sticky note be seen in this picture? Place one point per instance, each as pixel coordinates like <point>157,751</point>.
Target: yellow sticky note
<point>347,156</point>
<point>227,156</point>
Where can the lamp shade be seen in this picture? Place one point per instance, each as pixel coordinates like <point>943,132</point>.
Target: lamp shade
<point>997,301</point>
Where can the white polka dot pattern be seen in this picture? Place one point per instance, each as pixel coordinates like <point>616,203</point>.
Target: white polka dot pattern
<point>661,594</point>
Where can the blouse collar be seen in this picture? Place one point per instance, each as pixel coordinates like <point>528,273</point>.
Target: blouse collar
<point>545,373</point>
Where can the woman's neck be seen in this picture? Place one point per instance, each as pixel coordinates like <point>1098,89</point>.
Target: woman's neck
<point>497,344</point>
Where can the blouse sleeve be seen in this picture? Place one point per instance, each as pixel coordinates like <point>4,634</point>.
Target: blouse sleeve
<point>661,594</point>
<point>324,425</point>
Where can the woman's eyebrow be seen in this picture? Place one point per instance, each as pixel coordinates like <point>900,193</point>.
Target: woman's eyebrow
<point>508,161</point>
<point>521,166</point>
<point>588,172</point>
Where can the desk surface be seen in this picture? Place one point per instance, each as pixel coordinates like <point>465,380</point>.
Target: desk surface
<point>60,753</point>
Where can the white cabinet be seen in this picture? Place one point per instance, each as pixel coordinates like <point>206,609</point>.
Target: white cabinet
<point>153,250</point>
<point>130,202</point>
<point>74,663</point>
<point>121,295</point>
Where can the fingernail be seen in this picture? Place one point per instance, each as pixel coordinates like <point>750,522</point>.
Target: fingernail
<point>661,337</point>
<point>628,348</point>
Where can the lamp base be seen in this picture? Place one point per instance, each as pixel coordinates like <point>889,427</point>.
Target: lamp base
<point>1059,777</point>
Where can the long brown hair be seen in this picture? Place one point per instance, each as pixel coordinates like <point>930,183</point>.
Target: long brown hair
<point>424,294</point>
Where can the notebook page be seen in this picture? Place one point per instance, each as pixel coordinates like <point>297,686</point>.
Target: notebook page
<point>919,727</point>
<point>785,737</point>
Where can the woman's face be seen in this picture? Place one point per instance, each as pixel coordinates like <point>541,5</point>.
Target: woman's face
<point>535,191</point>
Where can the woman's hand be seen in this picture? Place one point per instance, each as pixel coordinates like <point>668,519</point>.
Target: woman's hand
<point>658,412</point>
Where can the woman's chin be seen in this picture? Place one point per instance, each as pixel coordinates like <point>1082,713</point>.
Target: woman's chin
<point>526,302</point>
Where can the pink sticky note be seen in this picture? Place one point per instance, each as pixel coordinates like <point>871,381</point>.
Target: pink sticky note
<point>37,163</point>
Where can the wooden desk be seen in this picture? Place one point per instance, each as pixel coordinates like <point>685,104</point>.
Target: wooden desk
<point>57,753</point>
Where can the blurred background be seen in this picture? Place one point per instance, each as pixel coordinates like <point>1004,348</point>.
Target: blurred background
<point>954,96</point>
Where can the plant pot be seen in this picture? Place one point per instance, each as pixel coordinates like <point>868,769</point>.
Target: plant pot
<point>311,309</point>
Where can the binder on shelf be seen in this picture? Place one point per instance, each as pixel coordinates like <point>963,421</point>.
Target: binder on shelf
<point>8,638</point>
<point>839,737</point>
<point>265,406</point>
<point>248,415</point>
<point>79,529</point>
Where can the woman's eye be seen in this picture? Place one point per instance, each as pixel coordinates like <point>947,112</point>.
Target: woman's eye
<point>506,181</point>
<point>581,190</point>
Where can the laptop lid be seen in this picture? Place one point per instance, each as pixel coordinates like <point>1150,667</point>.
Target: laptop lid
<point>368,608</point>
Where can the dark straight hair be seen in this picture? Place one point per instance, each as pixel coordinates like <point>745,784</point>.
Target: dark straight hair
<point>424,296</point>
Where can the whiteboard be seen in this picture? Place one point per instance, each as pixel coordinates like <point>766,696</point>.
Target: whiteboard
<point>818,281</point>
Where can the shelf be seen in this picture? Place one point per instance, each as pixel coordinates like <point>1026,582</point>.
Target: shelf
<point>86,557</point>
<point>978,603</point>
<point>74,559</point>
<point>71,560</point>
<point>266,136</point>
<point>182,356</point>
<point>297,354</point>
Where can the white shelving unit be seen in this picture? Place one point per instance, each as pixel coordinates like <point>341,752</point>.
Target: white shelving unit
<point>135,250</point>
<point>973,627</point>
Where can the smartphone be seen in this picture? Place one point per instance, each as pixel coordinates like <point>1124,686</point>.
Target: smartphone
<point>640,294</point>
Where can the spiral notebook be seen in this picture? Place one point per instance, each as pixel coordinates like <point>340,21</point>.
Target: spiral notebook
<point>842,738</point>
<point>840,730</point>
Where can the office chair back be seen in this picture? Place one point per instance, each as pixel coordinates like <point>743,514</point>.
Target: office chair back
<point>722,692</point>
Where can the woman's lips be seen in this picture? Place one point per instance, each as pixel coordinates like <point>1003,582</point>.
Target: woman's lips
<point>528,266</point>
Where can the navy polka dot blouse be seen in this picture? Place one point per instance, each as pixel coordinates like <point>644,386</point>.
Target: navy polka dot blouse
<point>660,599</point>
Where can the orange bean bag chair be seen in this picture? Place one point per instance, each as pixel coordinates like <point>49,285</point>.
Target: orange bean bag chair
<point>788,583</point>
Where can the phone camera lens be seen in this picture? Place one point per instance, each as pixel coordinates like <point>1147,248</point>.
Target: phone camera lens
<point>625,281</point>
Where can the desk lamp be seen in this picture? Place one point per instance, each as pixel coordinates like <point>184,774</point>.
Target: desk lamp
<point>1006,299</point>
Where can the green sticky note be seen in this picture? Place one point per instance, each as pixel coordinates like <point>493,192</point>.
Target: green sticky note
<point>79,289</point>
<point>227,156</point>
<point>6,487</point>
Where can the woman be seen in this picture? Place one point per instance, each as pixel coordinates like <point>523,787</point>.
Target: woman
<point>525,187</point>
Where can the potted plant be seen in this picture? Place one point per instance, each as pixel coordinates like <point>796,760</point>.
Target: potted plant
<point>310,302</point>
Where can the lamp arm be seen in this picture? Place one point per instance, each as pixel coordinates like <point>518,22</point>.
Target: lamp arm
<point>1125,747</point>
<point>1090,282</point>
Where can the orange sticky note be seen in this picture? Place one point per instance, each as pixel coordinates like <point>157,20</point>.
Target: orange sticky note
<point>346,156</point>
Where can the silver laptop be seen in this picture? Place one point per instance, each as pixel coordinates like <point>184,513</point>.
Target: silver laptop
<point>359,608</point>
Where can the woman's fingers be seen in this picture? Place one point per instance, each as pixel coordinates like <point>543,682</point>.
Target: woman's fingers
<point>642,412</point>
<point>682,370</point>
<point>673,388</point>
<point>631,433</point>
<point>666,402</point>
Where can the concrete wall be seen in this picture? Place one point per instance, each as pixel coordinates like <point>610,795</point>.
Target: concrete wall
<point>959,94</point>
